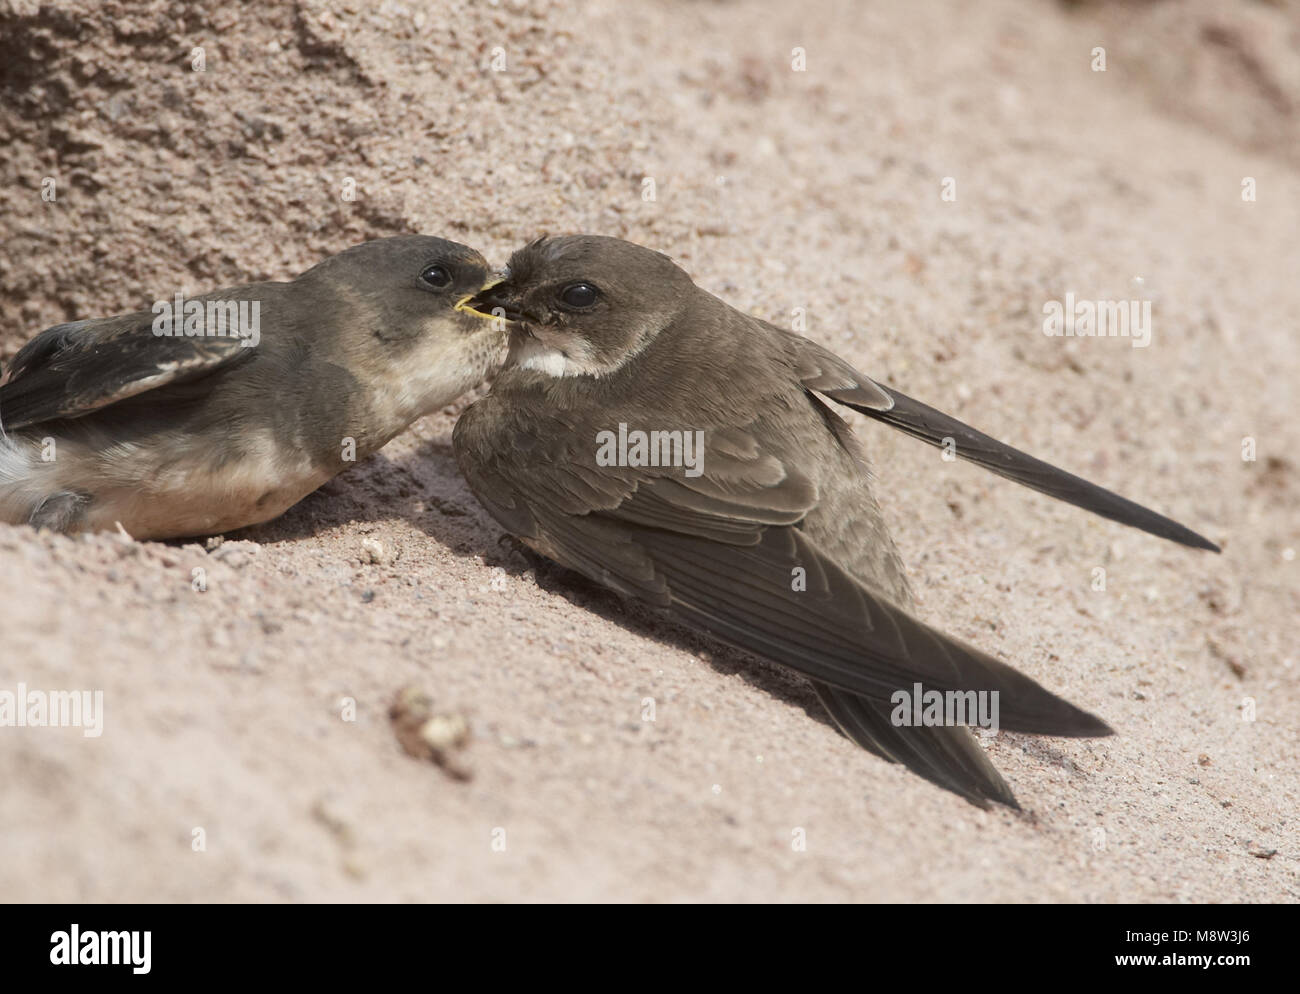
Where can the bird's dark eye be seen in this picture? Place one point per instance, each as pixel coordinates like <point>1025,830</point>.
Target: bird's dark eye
<point>579,295</point>
<point>436,276</point>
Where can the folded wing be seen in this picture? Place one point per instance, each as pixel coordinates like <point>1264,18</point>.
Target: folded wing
<point>70,370</point>
<point>830,376</point>
<point>724,552</point>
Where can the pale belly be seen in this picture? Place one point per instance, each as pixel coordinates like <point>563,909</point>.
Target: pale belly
<point>175,488</point>
<point>195,511</point>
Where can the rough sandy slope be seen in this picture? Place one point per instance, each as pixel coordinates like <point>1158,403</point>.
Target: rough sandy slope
<point>777,190</point>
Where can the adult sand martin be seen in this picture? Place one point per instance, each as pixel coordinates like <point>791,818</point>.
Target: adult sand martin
<point>778,545</point>
<point>203,415</point>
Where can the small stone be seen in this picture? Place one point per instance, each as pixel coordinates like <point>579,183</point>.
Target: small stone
<point>375,552</point>
<point>439,737</point>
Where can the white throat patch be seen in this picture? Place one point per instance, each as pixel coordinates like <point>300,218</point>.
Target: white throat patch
<point>529,353</point>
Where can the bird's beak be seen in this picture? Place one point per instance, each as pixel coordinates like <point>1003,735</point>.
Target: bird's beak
<point>495,300</point>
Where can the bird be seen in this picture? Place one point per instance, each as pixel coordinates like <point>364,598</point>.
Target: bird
<point>769,536</point>
<point>201,416</point>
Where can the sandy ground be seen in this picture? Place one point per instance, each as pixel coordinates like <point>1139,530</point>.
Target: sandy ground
<point>224,709</point>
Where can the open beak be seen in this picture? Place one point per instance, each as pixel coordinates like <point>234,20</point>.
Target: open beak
<point>494,300</point>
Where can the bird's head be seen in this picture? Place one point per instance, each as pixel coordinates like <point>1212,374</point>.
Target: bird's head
<point>393,303</point>
<point>582,305</point>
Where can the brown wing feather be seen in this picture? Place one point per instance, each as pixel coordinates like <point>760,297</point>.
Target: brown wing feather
<point>830,376</point>
<point>704,553</point>
<point>70,370</point>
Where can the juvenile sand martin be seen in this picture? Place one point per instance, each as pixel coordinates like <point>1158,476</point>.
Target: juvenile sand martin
<point>606,334</point>
<point>197,417</point>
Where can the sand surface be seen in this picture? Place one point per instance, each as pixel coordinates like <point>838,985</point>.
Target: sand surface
<point>776,189</point>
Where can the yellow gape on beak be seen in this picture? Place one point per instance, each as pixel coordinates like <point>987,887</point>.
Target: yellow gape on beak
<point>461,305</point>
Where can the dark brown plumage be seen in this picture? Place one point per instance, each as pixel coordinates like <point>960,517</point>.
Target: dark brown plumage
<point>608,333</point>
